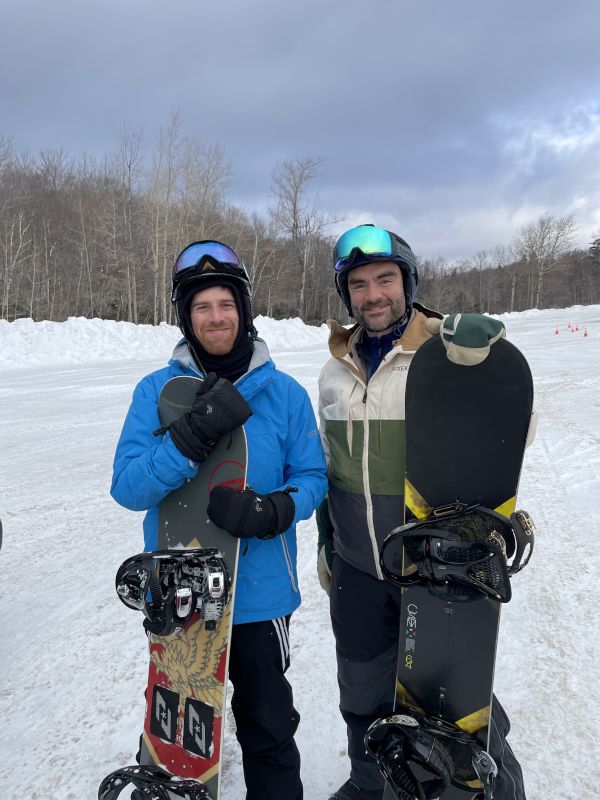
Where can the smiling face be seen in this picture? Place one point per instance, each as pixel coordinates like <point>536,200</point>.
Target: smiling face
<point>215,319</point>
<point>377,296</point>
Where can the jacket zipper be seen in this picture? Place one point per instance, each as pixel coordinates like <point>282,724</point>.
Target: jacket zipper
<point>367,487</point>
<point>288,561</point>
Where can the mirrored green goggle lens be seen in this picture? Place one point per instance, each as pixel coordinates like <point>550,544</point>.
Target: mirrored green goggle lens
<point>370,240</point>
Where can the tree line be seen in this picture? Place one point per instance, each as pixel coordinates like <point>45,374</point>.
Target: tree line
<point>97,238</point>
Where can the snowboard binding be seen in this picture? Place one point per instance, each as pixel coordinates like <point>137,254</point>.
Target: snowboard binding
<point>461,552</point>
<point>410,746</point>
<point>151,783</point>
<point>170,585</point>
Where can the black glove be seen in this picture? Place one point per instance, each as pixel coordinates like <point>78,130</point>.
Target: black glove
<point>218,409</point>
<point>245,514</point>
<point>324,545</point>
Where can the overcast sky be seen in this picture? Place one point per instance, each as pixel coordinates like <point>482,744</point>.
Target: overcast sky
<point>452,122</point>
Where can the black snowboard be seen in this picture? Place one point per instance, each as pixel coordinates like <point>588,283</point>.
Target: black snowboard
<point>466,429</point>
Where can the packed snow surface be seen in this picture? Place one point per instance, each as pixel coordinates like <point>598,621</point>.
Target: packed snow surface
<point>73,660</point>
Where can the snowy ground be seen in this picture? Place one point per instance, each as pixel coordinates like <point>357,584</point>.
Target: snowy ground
<point>73,660</point>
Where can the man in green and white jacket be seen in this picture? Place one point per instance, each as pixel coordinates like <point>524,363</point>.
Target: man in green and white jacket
<point>361,408</point>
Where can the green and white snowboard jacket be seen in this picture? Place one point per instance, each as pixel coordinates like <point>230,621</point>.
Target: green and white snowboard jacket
<point>362,428</point>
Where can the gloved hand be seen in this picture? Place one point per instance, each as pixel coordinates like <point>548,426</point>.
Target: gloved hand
<point>325,546</point>
<point>218,409</point>
<point>467,337</point>
<point>246,514</point>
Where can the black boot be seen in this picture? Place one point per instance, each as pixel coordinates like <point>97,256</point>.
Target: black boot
<point>350,791</point>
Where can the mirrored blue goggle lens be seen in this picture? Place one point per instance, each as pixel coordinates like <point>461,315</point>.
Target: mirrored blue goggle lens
<point>193,254</point>
<point>371,241</point>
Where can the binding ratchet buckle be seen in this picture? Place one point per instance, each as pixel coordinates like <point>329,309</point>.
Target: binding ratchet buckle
<point>460,552</point>
<point>170,585</point>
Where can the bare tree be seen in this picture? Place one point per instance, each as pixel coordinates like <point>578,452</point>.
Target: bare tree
<point>128,161</point>
<point>441,268</point>
<point>480,262</point>
<point>85,255</point>
<point>505,260</point>
<point>15,241</point>
<point>208,180</point>
<point>49,247</point>
<point>298,215</point>
<point>6,152</point>
<point>161,199</point>
<point>542,243</point>
<point>593,269</point>
<point>56,168</point>
<point>263,259</point>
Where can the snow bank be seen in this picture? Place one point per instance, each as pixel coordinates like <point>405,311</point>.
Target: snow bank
<point>25,343</point>
<point>289,334</point>
<point>577,315</point>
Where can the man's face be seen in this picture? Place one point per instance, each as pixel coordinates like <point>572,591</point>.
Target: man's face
<point>215,319</point>
<point>377,295</point>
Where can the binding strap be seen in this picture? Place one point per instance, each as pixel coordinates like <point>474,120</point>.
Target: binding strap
<point>151,783</point>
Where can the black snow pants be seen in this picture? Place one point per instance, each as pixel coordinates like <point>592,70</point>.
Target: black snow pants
<point>263,708</point>
<point>365,614</point>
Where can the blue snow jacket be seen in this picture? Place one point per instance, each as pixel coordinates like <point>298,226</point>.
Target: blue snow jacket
<point>284,449</point>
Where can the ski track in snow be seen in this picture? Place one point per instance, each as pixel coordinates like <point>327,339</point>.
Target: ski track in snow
<point>74,660</point>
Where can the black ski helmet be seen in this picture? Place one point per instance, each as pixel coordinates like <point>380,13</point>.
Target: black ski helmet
<point>367,244</point>
<point>210,263</point>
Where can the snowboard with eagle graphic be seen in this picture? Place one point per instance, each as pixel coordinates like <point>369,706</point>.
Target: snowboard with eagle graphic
<point>182,741</point>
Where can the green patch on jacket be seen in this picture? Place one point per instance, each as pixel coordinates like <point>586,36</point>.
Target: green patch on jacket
<point>386,456</point>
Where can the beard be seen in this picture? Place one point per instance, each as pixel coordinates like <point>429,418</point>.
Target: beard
<point>378,317</point>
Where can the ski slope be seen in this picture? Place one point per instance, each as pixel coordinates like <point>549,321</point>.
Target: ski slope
<point>73,659</point>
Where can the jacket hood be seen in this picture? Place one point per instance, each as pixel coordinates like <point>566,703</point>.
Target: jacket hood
<point>260,369</point>
<point>182,356</point>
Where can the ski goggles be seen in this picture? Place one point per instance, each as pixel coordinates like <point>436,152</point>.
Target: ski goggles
<point>368,241</point>
<point>209,257</point>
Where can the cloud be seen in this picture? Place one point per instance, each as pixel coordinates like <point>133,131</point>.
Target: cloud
<point>451,120</point>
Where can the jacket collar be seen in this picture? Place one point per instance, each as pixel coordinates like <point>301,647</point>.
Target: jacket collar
<point>342,340</point>
<point>252,378</point>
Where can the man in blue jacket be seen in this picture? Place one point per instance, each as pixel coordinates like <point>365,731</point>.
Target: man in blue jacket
<point>286,473</point>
